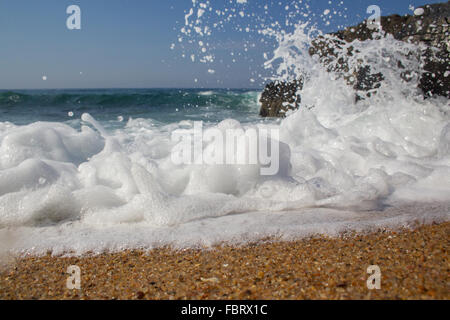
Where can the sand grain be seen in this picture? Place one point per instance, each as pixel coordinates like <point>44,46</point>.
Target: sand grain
<point>414,265</point>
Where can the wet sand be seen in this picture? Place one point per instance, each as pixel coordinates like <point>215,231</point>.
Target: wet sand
<point>414,265</point>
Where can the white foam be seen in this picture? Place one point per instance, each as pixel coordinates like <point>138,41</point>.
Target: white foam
<point>79,238</point>
<point>66,190</point>
<point>206,93</point>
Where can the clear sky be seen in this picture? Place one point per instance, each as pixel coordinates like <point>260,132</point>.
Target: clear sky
<point>127,43</point>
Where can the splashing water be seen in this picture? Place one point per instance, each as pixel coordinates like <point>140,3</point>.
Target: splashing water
<point>343,165</point>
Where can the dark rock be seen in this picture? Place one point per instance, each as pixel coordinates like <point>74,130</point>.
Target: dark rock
<point>431,28</point>
<point>436,77</point>
<point>279,97</point>
<point>365,81</point>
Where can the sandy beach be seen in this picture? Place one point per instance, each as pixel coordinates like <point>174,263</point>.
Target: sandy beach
<point>414,265</point>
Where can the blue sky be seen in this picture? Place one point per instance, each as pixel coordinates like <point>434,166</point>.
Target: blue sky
<point>126,43</point>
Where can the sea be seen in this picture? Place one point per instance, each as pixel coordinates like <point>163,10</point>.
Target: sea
<point>93,170</point>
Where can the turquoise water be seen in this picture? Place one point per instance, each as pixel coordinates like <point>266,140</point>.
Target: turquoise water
<point>109,106</point>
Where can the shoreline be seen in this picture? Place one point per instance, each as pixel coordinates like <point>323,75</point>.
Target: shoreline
<point>414,265</point>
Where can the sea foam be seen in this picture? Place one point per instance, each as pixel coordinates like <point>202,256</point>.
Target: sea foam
<point>72,190</point>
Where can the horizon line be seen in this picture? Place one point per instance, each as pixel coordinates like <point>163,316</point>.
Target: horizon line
<point>136,88</point>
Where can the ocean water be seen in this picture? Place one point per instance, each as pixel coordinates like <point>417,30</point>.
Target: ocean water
<point>92,170</point>
<point>114,107</point>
